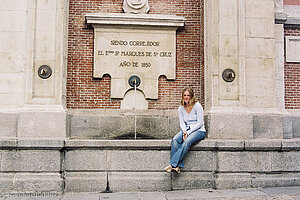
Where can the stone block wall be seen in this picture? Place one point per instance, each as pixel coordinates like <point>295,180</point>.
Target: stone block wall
<point>31,165</point>
<point>56,166</point>
<point>12,52</point>
<point>83,91</point>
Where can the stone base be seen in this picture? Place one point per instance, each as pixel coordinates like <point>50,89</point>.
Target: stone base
<point>31,166</point>
<point>72,165</point>
<point>34,122</point>
<point>150,124</point>
<point>114,124</point>
<point>251,124</point>
<point>31,182</point>
<point>253,180</point>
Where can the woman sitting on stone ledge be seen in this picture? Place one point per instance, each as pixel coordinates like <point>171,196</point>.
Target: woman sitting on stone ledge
<point>192,129</point>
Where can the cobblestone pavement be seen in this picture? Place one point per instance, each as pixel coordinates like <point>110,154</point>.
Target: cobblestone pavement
<point>289,193</point>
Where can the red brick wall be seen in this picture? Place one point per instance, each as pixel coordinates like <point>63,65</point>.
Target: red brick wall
<point>292,78</point>
<point>83,91</point>
<point>291,2</point>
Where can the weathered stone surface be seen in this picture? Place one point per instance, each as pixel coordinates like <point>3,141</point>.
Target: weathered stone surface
<point>243,193</point>
<point>200,161</point>
<point>285,161</point>
<point>31,182</point>
<point>41,143</point>
<point>80,196</point>
<point>156,127</point>
<point>84,126</point>
<point>138,160</point>
<point>6,182</point>
<point>151,195</point>
<point>41,182</point>
<point>120,144</point>
<point>259,28</point>
<point>245,161</point>
<point>30,161</point>
<point>258,9</point>
<point>139,181</point>
<point>233,180</point>
<point>99,126</point>
<point>263,145</point>
<point>8,143</point>
<point>231,145</point>
<point>217,126</point>
<point>42,124</point>
<point>192,180</point>
<point>287,127</point>
<point>296,127</point>
<point>138,165</point>
<point>85,160</point>
<point>291,144</point>
<point>268,127</point>
<point>8,125</point>
<point>115,126</point>
<point>85,181</point>
<point>109,127</point>
<point>174,126</point>
<point>275,180</point>
<point>205,144</point>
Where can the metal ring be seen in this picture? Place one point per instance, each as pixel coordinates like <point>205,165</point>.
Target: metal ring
<point>44,71</point>
<point>228,75</point>
<point>134,80</point>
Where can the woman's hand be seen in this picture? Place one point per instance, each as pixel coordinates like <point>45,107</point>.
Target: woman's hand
<point>185,135</point>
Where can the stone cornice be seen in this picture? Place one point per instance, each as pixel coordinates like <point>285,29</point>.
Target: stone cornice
<point>282,18</point>
<point>135,19</point>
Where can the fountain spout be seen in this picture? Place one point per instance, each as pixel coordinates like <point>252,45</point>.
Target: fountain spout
<point>134,81</point>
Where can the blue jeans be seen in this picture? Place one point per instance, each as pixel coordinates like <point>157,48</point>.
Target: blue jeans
<point>179,148</point>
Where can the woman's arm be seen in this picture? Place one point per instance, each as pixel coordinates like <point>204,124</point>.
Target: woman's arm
<point>181,120</point>
<point>199,117</point>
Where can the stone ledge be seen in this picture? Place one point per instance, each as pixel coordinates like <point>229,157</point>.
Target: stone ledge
<point>261,145</point>
<point>32,143</point>
<point>205,145</point>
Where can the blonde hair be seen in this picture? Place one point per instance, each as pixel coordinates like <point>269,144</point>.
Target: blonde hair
<point>193,99</point>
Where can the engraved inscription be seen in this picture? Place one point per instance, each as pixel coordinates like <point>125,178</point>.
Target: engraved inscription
<point>135,53</point>
<point>122,53</point>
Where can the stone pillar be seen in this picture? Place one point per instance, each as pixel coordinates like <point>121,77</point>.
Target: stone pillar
<point>239,35</point>
<point>37,37</point>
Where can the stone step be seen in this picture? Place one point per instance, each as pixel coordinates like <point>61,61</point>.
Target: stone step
<point>137,165</point>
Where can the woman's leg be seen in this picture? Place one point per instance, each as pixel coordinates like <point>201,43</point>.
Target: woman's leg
<point>175,145</point>
<point>178,156</point>
<point>176,142</point>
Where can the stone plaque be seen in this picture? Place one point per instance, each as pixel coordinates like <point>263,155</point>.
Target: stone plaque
<point>126,50</point>
<point>292,49</point>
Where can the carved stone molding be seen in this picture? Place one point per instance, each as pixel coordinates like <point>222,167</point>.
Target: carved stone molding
<point>134,45</point>
<point>136,6</point>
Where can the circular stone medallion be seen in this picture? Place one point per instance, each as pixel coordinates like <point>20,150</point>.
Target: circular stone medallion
<point>136,4</point>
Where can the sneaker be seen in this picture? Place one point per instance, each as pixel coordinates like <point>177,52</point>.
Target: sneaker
<point>176,169</point>
<point>169,168</point>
